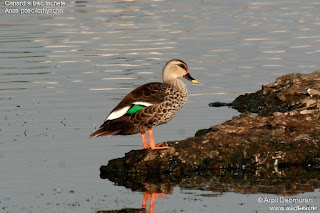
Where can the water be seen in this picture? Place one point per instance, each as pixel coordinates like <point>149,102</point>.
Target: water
<point>61,74</point>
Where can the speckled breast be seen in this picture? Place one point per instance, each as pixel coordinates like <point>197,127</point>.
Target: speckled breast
<point>173,102</point>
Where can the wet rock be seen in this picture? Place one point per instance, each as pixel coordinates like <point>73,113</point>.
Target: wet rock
<point>289,92</point>
<point>219,104</point>
<point>288,134</point>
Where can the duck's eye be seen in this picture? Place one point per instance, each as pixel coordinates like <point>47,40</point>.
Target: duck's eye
<point>183,66</point>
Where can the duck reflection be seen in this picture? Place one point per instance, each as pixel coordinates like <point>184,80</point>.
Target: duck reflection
<point>146,195</point>
<point>153,196</point>
<point>151,192</point>
<point>154,191</point>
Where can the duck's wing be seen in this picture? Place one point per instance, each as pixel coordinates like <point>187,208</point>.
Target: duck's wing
<point>143,96</point>
<point>140,98</point>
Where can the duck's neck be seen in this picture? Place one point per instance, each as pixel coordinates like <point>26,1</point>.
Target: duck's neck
<point>177,83</point>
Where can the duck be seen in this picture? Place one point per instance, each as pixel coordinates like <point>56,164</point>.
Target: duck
<point>149,105</point>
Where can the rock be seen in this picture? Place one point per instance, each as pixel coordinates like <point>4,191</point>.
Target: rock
<point>246,140</point>
<point>313,92</point>
<point>288,93</point>
<point>219,104</point>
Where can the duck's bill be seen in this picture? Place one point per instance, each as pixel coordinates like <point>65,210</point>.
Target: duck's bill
<point>188,77</point>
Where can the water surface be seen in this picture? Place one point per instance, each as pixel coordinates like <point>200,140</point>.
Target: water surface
<point>60,75</point>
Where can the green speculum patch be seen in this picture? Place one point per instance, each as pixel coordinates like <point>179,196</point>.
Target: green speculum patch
<point>135,108</point>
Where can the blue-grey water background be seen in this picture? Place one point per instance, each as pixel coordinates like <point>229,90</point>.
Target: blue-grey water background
<point>61,74</point>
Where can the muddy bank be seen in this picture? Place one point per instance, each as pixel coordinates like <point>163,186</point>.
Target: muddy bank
<point>285,133</point>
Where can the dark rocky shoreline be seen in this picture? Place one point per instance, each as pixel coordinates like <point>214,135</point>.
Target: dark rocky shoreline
<point>290,93</point>
<point>284,134</point>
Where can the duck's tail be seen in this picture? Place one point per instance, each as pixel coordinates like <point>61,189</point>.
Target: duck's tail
<point>104,132</point>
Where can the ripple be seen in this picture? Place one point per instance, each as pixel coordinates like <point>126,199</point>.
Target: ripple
<point>59,46</point>
<point>8,89</point>
<point>14,81</point>
<point>301,46</point>
<point>75,61</point>
<point>304,37</point>
<point>274,51</point>
<point>218,93</point>
<point>104,71</point>
<point>221,50</point>
<point>144,73</point>
<point>279,31</point>
<point>258,39</point>
<point>121,65</point>
<point>272,65</point>
<point>312,52</point>
<point>262,3</point>
<point>307,66</point>
<point>100,55</point>
<point>136,44</point>
<point>119,78</point>
<point>108,89</point>
<point>28,73</point>
<point>241,67</point>
<point>44,82</point>
<point>270,58</point>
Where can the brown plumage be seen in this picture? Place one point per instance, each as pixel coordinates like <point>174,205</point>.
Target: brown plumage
<point>149,105</point>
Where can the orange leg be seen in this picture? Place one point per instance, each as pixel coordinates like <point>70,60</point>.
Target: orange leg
<point>145,200</point>
<point>152,143</point>
<point>144,140</point>
<point>153,196</point>
<point>152,202</point>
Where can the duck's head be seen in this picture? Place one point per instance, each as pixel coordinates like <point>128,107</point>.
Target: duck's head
<point>174,69</point>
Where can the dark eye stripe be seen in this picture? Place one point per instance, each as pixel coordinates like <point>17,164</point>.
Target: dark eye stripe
<point>183,66</point>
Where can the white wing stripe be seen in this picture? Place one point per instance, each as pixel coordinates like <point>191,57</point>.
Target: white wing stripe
<point>124,110</point>
<point>142,103</point>
<point>118,113</point>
